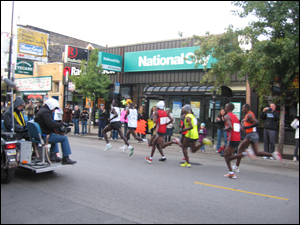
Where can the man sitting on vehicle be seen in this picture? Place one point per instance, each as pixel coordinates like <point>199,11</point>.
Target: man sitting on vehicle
<point>20,127</point>
<point>45,120</point>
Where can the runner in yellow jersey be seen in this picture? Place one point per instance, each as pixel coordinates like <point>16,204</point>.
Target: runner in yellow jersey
<point>192,136</point>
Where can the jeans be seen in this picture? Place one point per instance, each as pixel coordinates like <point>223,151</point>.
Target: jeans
<point>76,124</point>
<point>125,129</point>
<point>84,127</point>
<point>54,139</point>
<point>114,134</point>
<point>221,133</point>
<point>202,148</point>
<point>101,126</point>
<point>269,140</point>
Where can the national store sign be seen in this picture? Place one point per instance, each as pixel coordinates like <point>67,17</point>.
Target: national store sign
<point>110,62</point>
<point>163,59</point>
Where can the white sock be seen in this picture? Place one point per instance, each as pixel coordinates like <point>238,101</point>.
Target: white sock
<point>244,153</point>
<point>231,172</point>
<point>150,157</point>
<point>129,146</point>
<point>163,157</point>
<point>108,144</point>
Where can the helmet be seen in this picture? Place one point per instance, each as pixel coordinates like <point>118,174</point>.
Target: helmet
<point>52,103</point>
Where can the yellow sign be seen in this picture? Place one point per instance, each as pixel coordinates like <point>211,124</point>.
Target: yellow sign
<point>295,84</point>
<point>88,103</point>
<point>32,45</point>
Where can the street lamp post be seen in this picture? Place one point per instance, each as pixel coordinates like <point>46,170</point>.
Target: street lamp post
<point>10,48</point>
<point>213,116</point>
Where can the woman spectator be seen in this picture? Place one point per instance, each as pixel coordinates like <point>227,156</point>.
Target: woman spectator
<point>142,116</point>
<point>221,125</point>
<point>295,125</point>
<point>76,115</point>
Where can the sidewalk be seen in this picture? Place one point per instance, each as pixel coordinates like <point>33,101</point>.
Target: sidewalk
<point>288,150</point>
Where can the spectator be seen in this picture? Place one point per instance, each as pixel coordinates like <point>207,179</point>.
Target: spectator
<point>67,114</point>
<point>295,125</point>
<point>84,116</point>
<point>170,127</point>
<point>30,110</point>
<point>37,108</point>
<point>220,132</point>
<point>44,119</point>
<point>76,115</point>
<point>270,127</point>
<point>152,111</point>
<point>202,134</point>
<point>58,115</point>
<point>102,116</point>
<point>142,116</point>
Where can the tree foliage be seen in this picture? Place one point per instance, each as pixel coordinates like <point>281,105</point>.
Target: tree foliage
<point>275,59</point>
<point>91,82</point>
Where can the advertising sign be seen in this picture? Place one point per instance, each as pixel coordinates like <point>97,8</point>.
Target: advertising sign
<point>32,45</point>
<point>217,104</point>
<point>177,109</point>
<point>163,59</point>
<point>196,109</point>
<point>117,88</point>
<point>75,55</point>
<point>24,67</point>
<point>110,62</point>
<point>73,69</point>
<point>34,84</point>
<point>237,109</point>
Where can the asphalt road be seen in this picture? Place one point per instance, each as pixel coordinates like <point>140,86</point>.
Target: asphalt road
<point>111,187</point>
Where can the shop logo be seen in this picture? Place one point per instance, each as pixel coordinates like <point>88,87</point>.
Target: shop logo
<point>72,52</point>
<point>67,70</point>
<point>71,71</point>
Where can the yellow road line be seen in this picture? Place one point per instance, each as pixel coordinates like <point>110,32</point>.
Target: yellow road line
<point>253,193</point>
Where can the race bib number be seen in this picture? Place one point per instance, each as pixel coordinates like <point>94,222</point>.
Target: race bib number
<point>163,120</point>
<point>236,127</point>
<point>195,122</point>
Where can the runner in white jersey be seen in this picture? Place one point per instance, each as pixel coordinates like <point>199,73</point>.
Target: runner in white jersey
<point>132,116</point>
<point>114,123</point>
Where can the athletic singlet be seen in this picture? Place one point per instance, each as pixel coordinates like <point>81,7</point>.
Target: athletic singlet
<point>132,118</point>
<point>117,119</point>
<point>161,122</point>
<point>236,128</point>
<point>193,133</point>
<point>252,129</point>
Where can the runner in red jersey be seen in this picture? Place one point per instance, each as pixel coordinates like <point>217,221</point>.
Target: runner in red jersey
<point>233,127</point>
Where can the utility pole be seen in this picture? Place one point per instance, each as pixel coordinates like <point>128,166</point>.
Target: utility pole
<point>10,47</point>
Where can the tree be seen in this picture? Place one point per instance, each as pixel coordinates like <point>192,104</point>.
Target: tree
<point>275,59</point>
<point>91,82</point>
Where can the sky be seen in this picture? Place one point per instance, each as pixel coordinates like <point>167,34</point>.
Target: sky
<point>115,23</point>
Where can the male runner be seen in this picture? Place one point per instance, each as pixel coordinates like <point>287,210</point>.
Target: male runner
<point>132,116</point>
<point>114,123</point>
<point>192,136</point>
<point>252,137</point>
<point>160,118</point>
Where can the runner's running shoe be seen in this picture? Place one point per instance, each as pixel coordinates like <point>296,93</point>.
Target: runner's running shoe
<point>184,158</point>
<point>130,148</point>
<point>235,168</point>
<point>250,153</point>
<point>177,141</point>
<point>162,159</point>
<point>186,165</point>
<point>230,175</point>
<point>108,146</point>
<point>123,148</point>
<point>277,156</point>
<point>148,159</point>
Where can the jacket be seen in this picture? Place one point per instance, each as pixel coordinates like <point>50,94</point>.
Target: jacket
<point>7,117</point>
<point>67,114</point>
<point>30,109</point>
<point>76,114</point>
<point>45,120</point>
<point>84,116</point>
<point>271,119</point>
<point>101,115</point>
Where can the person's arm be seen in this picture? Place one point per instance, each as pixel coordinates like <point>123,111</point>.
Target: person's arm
<point>189,121</point>
<point>204,131</point>
<point>251,118</point>
<point>227,121</point>
<point>263,115</point>
<point>113,111</point>
<point>171,119</point>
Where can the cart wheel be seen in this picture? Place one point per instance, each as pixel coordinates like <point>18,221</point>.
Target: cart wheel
<point>8,175</point>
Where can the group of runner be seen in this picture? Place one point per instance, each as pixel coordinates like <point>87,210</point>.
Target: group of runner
<point>189,134</point>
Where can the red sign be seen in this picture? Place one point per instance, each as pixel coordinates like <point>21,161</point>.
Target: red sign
<point>72,52</point>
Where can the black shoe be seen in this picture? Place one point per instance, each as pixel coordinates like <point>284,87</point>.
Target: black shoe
<point>162,159</point>
<point>54,158</point>
<point>67,160</point>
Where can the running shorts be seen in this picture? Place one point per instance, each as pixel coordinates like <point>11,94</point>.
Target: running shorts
<point>233,144</point>
<point>115,125</point>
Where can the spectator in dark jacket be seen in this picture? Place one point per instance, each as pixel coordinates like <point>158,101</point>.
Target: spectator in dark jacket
<point>67,114</point>
<point>270,127</point>
<point>102,116</point>
<point>37,108</point>
<point>76,116</point>
<point>45,120</point>
<point>84,116</point>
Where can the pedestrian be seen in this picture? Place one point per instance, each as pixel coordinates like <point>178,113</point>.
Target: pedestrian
<point>233,128</point>
<point>160,118</point>
<point>220,131</point>
<point>252,138</point>
<point>124,120</point>
<point>295,125</point>
<point>142,116</point>
<point>132,116</point>
<point>37,108</point>
<point>30,110</point>
<point>192,135</point>
<point>76,116</point>
<point>270,127</point>
<point>170,127</point>
<point>67,118</point>
<point>115,124</point>
<point>152,111</point>
<point>102,116</point>
<point>84,116</point>
<point>202,134</point>
<point>58,115</point>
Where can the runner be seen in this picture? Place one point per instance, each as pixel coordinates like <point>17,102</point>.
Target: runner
<point>233,127</point>
<point>252,137</point>
<point>160,118</point>
<point>114,123</point>
<point>132,116</point>
<point>192,136</point>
